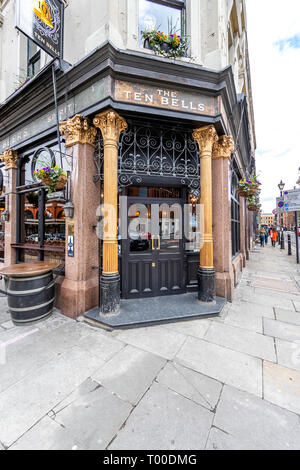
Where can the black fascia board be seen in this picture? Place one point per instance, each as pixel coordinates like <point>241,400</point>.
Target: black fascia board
<point>37,95</point>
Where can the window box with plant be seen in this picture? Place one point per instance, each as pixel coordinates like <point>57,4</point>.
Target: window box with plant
<point>169,45</point>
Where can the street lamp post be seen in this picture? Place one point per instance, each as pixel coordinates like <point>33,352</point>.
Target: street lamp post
<point>281,186</point>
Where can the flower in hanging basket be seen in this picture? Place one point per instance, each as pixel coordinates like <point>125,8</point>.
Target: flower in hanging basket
<point>248,187</point>
<point>253,203</point>
<point>54,178</point>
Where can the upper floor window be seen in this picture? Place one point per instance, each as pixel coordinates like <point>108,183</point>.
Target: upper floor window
<point>33,58</point>
<point>167,16</point>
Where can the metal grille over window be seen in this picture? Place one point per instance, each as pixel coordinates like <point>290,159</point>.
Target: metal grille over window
<point>154,151</point>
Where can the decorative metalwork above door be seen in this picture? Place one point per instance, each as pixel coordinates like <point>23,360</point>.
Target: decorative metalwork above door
<point>148,150</point>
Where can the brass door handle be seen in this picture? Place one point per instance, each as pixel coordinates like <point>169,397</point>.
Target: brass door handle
<point>158,242</point>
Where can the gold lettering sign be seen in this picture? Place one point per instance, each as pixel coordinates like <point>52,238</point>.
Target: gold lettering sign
<point>42,11</point>
<point>159,97</point>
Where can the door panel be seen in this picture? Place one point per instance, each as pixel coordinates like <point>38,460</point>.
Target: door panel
<point>153,255</point>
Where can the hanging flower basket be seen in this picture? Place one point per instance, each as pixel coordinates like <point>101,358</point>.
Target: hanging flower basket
<point>241,193</point>
<point>54,178</point>
<point>253,208</point>
<point>248,187</point>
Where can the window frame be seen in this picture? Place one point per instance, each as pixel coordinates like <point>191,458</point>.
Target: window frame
<point>235,214</point>
<point>32,59</point>
<point>176,4</point>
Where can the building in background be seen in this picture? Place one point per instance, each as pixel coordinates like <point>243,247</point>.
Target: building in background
<point>134,123</point>
<point>268,219</point>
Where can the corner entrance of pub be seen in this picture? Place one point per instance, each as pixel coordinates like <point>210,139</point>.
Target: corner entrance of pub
<point>153,252</point>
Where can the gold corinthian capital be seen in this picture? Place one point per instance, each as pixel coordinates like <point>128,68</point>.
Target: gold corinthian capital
<point>223,148</point>
<point>206,137</point>
<point>10,158</point>
<point>111,125</point>
<point>78,130</point>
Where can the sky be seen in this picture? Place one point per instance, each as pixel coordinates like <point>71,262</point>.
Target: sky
<point>274,47</point>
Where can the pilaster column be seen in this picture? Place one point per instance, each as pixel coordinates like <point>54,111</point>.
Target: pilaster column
<point>10,158</point>
<point>221,160</point>
<point>111,125</point>
<point>79,290</point>
<point>206,137</point>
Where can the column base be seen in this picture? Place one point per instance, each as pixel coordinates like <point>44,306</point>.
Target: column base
<point>206,285</point>
<point>77,297</point>
<point>110,295</point>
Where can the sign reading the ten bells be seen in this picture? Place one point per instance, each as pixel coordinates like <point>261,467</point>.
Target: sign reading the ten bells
<point>159,97</point>
<point>42,21</point>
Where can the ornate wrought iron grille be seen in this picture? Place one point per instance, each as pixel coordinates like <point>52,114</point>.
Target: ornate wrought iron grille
<point>154,151</point>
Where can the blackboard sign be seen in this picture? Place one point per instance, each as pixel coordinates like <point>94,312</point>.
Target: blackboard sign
<point>42,21</point>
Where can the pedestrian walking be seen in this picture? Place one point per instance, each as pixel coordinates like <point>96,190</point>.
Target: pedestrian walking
<point>267,236</point>
<point>274,237</point>
<point>262,234</point>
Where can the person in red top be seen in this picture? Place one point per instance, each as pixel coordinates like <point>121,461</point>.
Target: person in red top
<point>274,237</point>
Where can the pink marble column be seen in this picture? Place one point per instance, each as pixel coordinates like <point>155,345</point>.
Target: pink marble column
<point>79,290</point>
<point>10,157</point>
<point>222,217</point>
<point>243,211</point>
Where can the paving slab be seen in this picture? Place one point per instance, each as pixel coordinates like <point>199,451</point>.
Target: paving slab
<point>278,295</point>
<point>283,285</point>
<point>221,440</point>
<point>157,340</point>
<point>282,386</point>
<point>281,330</point>
<point>287,316</point>
<point>231,367</point>
<point>252,309</point>
<point>129,373</point>
<point>245,321</point>
<point>48,435</point>
<point>241,340</point>
<point>252,420</point>
<point>7,325</point>
<point>34,396</point>
<point>164,420</point>
<point>297,305</point>
<point>288,353</point>
<point>190,384</point>
<point>196,328</point>
<point>269,300</point>
<point>93,417</point>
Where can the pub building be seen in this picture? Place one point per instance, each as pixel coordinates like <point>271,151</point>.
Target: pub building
<point>156,133</point>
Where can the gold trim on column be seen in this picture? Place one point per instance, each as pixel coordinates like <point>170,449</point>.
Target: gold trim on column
<point>78,130</point>
<point>111,125</point>
<point>223,148</point>
<point>10,158</point>
<point>206,137</point>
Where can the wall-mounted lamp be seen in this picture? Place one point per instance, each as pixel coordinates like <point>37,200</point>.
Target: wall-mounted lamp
<point>69,210</point>
<point>5,216</point>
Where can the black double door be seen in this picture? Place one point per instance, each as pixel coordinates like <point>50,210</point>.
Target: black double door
<point>153,254</point>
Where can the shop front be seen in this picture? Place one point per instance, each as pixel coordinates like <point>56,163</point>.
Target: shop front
<point>151,150</point>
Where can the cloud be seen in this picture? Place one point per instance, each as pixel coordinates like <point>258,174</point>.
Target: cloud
<point>275,69</point>
<point>293,42</point>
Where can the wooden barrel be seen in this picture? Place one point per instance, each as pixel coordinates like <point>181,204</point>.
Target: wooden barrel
<point>30,292</point>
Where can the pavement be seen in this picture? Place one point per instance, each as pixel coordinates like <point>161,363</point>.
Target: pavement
<point>231,382</point>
